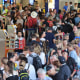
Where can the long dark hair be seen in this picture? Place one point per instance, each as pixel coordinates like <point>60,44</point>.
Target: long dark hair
<point>19,27</point>
<point>10,64</point>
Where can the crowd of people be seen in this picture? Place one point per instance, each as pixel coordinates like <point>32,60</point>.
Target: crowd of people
<point>52,49</point>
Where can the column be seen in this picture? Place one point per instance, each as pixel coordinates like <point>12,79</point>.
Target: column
<point>57,5</point>
<point>46,6</point>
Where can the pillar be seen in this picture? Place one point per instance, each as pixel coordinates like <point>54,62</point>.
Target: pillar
<point>46,6</point>
<point>57,5</point>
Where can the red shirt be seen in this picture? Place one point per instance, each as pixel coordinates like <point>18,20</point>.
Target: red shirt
<point>31,22</point>
<point>50,23</point>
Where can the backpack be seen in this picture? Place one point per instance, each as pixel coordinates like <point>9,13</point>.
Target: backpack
<point>36,62</point>
<point>72,64</point>
<point>23,74</point>
<point>71,8</point>
<point>14,77</point>
<point>31,22</point>
<point>1,74</point>
<point>34,22</point>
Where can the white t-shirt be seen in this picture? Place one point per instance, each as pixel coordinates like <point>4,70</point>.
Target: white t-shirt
<point>42,57</point>
<point>8,75</point>
<point>32,73</point>
<point>27,55</point>
<point>78,61</point>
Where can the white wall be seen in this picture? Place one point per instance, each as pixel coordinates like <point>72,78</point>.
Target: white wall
<point>18,1</point>
<point>41,3</point>
<point>62,2</point>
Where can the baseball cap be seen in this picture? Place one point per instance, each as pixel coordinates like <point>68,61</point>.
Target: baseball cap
<point>48,67</point>
<point>64,51</point>
<point>61,59</point>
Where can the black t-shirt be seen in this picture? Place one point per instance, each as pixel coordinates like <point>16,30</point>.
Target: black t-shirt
<point>47,24</point>
<point>67,28</point>
<point>72,64</point>
<point>15,77</point>
<point>50,37</point>
<point>58,76</point>
<point>63,74</point>
<point>71,36</point>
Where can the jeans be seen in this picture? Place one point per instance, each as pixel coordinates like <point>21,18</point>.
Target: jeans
<point>48,54</point>
<point>29,34</point>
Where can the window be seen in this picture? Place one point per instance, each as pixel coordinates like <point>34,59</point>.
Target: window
<point>31,2</point>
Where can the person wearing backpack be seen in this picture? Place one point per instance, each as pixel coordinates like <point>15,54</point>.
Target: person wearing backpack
<point>30,68</point>
<point>34,58</point>
<point>71,63</point>
<point>70,7</point>
<point>23,73</point>
<point>31,25</point>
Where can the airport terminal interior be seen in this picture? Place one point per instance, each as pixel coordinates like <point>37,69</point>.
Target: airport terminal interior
<point>39,39</point>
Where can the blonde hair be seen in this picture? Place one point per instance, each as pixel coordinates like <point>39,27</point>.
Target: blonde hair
<point>58,41</point>
<point>37,35</point>
<point>77,34</point>
<point>4,61</point>
<point>22,65</point>
<point>37,49</point>
<point>70,45</point>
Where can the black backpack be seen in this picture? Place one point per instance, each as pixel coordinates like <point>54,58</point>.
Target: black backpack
<point>71,8</point>
<point>23,74</point>
<point>14,77</point>
<point>1,74</point>
<point>36,62</point>
<point>72,64</point>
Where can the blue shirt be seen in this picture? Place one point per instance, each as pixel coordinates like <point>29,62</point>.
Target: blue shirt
<point>30,59</point>
<point>7,4</point>
<point>77,20</point>
<point>46,78</point>
<point>73,54</point>
<point>79,44</point>
<point>47,15</point>
<point>65,7</point>
<point>77,37</point>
